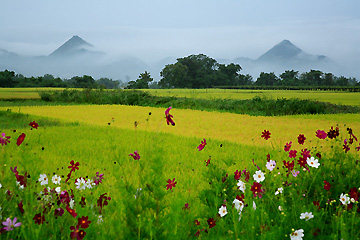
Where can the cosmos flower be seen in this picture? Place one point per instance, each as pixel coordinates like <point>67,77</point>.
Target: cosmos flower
<point>202,145</point>
<point>222,211</point>
<point>43,179</point>
<point>39,219</point>
<point>344,199</point>
<point>33,124</point>
<point>279,190</point>
<point>211,222</point>
<point>56,179</point>
<point>239,205</point>
<point>259,176</point>
<point>74,166</point>
<point>307,216</point>
<point>266,134</point>
<point>169,117</point>
<point>270,165</point>
<point>20,139</point>
<point>4,140</point>
<point>241,186</point>
<point>256,189</point>
<point>83,222</point>
<point>292,154</point>
<point>80,183</point>
<point>313,162</point>
<point>171,184</point>
<point>136,155</point>
<point>327,185</point>
<point>321,134</point>
<point>287,146</point>
<point>10,225</point>
<point>301,139</point>
<point>297,235</point>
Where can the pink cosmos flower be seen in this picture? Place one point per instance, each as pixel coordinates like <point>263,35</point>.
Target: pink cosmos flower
<point>270,165</point>
<point>301,139</point>
<point>169,117</point>
<point>295,173</point>
<point>136,155</point>
<point>171,184</point>
<point>202,145</point>
<point>321,134</point>
<point>10,225</point>
<point>4,140</point>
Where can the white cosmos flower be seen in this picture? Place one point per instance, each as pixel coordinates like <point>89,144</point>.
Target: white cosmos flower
<point>241,186</point>
<point>280,208</point>
<point>259,176</point>
<point>56,179</point>
<point>222,211</point>
<point>312,162</point>
<point>71,203</point>
<point>279,190</point>
<point>100,219</point>
<point>254,205</point>
<point>58,190</point>
<point>80,184</point>
<point>270,165</point>
<point>89,183</point>
<point>344,199</point>
<point>297,235</point>
<point>239,205</point>
<point>43,179</point>
<point>306,215</point>
<point>0,185</point>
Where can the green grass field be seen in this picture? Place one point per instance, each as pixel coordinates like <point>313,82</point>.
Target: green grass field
<point>101,137</point>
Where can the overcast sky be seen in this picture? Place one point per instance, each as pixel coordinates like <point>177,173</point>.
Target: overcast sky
<point>160,28</point>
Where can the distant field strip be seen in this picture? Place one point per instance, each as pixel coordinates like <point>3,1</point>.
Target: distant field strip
<point>242,129</point>
<point>345,98</point>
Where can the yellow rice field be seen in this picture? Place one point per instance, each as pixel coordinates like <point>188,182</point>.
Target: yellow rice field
<point>242,129</point>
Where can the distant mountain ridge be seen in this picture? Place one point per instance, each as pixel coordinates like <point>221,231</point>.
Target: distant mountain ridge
<point>77,57</point>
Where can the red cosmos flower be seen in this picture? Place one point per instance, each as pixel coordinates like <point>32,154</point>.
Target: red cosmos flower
<point>266,134</point>
<point>354,193</point>
<point>75,234</point>
<point>317,203</point>
<point>169,117</point>
<point>301,138</point>
<point>197,222</point>
<point>136,155</point>
<point>39,219</point>
<point>327,185</point>
<point>202,145</point>
<point>292,154</point>
<point>289,165</point>
<point>186,206</point>
<point>74,166</point>
<point>256,189</point>
<point>302,162</point>
<point>33,124</point>
<point>21,207</point>
<point>240,198</point>
<point>207,161</point>
<point>20,139</point>
<point>170,184</point>
<point>305,153</point>
<point>237,175</point>
<point>4,140</point>
<point>333,133</point>
<point>83,222</point>
<point>247,174</point>
<point>59,212</point>
<point>82,202</point>
<point>71,211</point>
<point>103,201</point>
<point>287,146</point>
<point>321,134</point>
<point>211,222</point>
<point>318,155</point>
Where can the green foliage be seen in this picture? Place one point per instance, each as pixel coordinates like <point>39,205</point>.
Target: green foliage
<point>255,106</point>
<point>142,82</point>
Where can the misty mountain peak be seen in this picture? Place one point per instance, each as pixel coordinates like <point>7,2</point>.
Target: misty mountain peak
<point>75,45</point>
<point>281,52</point>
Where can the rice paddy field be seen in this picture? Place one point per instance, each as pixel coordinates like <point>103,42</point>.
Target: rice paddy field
<point>122,172</point>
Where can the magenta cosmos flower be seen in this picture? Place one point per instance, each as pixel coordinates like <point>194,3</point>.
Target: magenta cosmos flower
<point>136,155</point>
<point>171,184</point>
<point>10,225</point>
<point>202,145</point>
<point>266,134</point>
<point>169,117</point>
<point>4,140</point>
<point>321,134</point>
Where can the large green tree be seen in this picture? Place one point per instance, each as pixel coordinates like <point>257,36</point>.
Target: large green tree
<point>142,82</point>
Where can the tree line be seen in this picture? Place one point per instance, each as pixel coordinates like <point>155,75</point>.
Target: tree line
<point>9,79</point>
<point>194,71</point>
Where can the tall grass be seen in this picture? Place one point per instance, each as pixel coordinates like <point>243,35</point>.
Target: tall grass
<point>157,213</point>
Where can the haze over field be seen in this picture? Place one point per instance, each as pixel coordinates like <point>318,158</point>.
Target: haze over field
<point>126,38</point>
